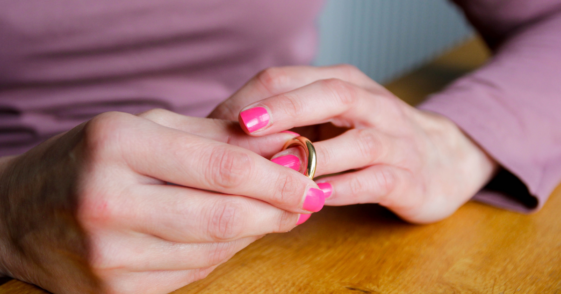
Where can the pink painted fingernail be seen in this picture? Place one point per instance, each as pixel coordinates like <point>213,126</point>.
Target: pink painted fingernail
<point>290,161</point>
<point>303,218</point>
<point>255,118</point>
<point>291,133</point>
<point>326,188</point>
<point>314,200</point>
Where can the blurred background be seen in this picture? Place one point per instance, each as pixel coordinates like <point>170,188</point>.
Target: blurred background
<point>413,48</point>
<point>387,39</point>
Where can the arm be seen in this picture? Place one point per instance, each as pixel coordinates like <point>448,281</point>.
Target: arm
<point>91,210</point>
<point>418,164</point>
<point>511,106</point>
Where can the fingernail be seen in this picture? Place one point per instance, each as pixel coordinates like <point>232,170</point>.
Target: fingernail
<point>303,218</point>
<point>326,188</point>
<point>290,161</point>
<point>255,118</point>
<point>314,200</point>
<point>291,133</point>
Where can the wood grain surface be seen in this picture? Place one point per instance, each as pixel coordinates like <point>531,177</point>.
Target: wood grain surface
<point>366,249</point>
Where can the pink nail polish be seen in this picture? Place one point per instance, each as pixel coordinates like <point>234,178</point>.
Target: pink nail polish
<point>303,218</point>
<point>290,161</point>
<point>314,200</point>
<point>255,118</point>
<point>291,133</point>
<point>326,188</point>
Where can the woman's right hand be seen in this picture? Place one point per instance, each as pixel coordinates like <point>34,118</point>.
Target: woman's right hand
<point>91,210</point>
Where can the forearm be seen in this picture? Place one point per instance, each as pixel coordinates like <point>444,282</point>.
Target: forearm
<point>510,107</point>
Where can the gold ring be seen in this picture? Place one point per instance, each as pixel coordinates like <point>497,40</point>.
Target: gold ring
<point>310,153</point>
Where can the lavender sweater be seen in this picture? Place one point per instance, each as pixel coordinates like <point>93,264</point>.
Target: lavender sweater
<point>62,62</point>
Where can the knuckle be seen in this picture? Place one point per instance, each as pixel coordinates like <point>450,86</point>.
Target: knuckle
<point>344,92</point>
<point>220,252</point>
<point>385,181</point>
<point>367,144</point>
<point>273,79</point>
<point>200,274</point>
<point>100,256</point>
<point>285,222</point>
<point>157,115</point>
<point>394,107</point>
<point>289,191</point>
<point>349,71</point>
<point>357,187</point>
<point>381,182</point>
<point>96,211</point>
<point>102,207</point>
<point>228,168</point>
<point>105,131</point>
<point>327,157</point>
<point>227,110</point>
<point>226,220</point>
<point>291,105</point>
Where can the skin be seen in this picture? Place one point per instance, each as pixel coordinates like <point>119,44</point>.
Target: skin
<point>418,164</point>
<point>91,210</point>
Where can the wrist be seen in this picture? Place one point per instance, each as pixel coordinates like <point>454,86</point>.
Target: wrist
<point>474,166</point>
<point>481,161</point>
<point>474,161</point>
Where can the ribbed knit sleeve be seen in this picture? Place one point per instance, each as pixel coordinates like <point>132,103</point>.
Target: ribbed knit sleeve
<point>512,106</point>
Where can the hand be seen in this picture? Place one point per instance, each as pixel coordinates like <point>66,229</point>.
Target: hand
<point>418,164</point>
<point>90,211</point>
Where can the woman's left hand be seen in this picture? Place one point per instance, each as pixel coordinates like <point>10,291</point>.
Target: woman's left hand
<point>420,165</point>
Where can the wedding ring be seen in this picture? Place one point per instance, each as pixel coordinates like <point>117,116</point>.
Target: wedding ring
<point>310,151</point>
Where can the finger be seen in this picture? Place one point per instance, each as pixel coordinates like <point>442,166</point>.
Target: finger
<point>293,158</point>
<point>391,187</point>
<point>344,104</point>
<point>184,215</point>
<point>147,253</point>
<point>219,130</point>
<point>173,156</point>
<point>376,184</point>
<point>353,149</point>
<point>277,80</point>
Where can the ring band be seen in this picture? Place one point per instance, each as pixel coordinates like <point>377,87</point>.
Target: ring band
<point>310,153</point>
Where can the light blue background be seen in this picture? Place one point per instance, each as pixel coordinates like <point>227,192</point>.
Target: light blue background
<point>386,38</point>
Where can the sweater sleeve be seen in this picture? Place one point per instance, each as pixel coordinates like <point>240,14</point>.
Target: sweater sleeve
<point>512,106</point>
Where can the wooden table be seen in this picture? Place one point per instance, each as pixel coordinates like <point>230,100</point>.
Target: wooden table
<point>366,249</point>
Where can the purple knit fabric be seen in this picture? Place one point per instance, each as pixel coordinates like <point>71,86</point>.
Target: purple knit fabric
<point>62,62</point>
<point>512,106</point>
